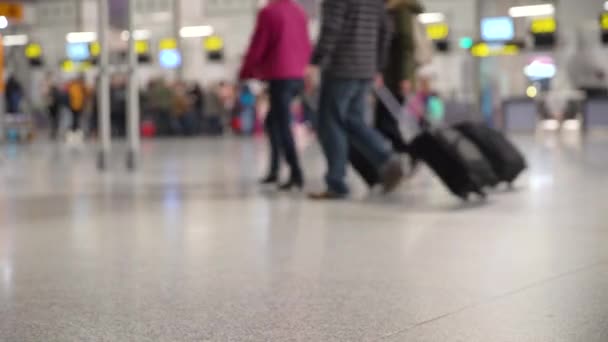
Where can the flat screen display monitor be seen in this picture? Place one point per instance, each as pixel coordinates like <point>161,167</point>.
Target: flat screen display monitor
<point>78,52</point>
<point>497,29</point>
<point>170,59</point>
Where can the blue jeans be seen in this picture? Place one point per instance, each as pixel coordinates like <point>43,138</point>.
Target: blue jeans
<point>278,126</point>
<point>341,121</point>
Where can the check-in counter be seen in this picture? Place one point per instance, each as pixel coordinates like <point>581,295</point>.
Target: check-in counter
<point>595,113</point>
<point>519,115</point>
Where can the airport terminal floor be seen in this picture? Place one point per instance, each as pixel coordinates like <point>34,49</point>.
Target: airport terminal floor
<point>189,248</point>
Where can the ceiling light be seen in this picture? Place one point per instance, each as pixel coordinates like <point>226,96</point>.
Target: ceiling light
<point>15,40</point>
<point>532,11</point>
<point>3,22</point>
<point>81,37</point>
<point>196,31</point>
<point>532,91</point>
<point>139,35</point>
<point>431,18</point>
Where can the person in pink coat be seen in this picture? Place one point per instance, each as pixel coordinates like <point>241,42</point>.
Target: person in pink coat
<point>279,53</point>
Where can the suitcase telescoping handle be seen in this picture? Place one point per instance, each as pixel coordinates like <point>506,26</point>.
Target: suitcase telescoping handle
<point>396,108</point>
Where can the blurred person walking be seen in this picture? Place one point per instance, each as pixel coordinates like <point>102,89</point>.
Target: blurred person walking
<point>78,96</point>
<point>182,110</point>
<point>399,78</point>
<point>118,105</point>
<point>400,71</point>
<point>52,98</point>
<point>587,68</point>
<point>351,51</point>
<point>159,98</point>
<point>279,53</point>
<point>13,95</point>
<point>197,98</point>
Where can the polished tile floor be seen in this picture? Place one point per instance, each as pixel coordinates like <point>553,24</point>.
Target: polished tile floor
<point>190,249</point>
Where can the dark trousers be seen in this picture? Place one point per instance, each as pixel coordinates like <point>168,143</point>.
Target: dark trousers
<point>597,92</point>
<point>54,120</point>
<point>342,124</point>
<point>278,126</point>
<point>119,124</point>
<point>76,116</point>
<point>386,123</point>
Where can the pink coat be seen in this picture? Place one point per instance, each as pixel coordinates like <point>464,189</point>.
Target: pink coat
<point>280,47</point>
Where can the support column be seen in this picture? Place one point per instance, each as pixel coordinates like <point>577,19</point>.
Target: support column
<point>2,90</point>
<point>103,87</point>
<point>133,110</point>
<point>476,61</point>
<point>177,25</point>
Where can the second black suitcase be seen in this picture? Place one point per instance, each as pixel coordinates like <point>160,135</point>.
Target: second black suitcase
<point>506,160</point>
<point>457,161</point>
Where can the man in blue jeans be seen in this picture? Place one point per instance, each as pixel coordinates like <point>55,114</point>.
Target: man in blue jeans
<point>351,51</point>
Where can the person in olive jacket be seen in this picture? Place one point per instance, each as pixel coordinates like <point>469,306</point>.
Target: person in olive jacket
<point>399,77</point>
<point>400,72</point>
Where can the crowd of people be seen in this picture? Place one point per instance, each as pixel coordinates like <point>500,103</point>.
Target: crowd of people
<point>169,109</point>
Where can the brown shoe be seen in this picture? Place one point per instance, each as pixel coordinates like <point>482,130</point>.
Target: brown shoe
<point>326,196</point>
<point>392,175</point>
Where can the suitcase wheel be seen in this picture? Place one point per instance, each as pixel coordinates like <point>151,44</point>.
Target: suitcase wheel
<point>464,197</point>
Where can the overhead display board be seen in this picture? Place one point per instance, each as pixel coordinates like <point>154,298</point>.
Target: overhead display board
<point>33,53</point>
<point>78,52</point>
<point>544,32</point>
<point>483,50</point>
<point>543,26</point>
<point>439,31</point>
<point>33,50</point>
<point>496,29</point>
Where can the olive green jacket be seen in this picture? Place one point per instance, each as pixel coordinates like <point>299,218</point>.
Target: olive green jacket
<point>401,60</point>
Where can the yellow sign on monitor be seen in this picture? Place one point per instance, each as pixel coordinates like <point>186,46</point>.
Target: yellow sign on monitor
<point>543,26</point>
<point>84,66</point>
<point>142,47</point>
<point>509,50</point>
<point>68,66</point>
<point>437,31</point>
<point>486,50</point>
<point>11,10</point>
<point>604,21</point>
<point>213,43</point>
<point>95,49</point>
<point>33,51</point>
<point>168,44</point>
<point>480,50</point>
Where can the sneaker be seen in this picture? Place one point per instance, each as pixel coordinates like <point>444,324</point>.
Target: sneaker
<point>74,139</point>
<point>69,138</point>
<point>392,175</point>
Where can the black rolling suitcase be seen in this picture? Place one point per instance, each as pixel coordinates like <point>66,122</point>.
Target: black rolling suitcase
<point>506,160</point>
<point>456,160</point>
